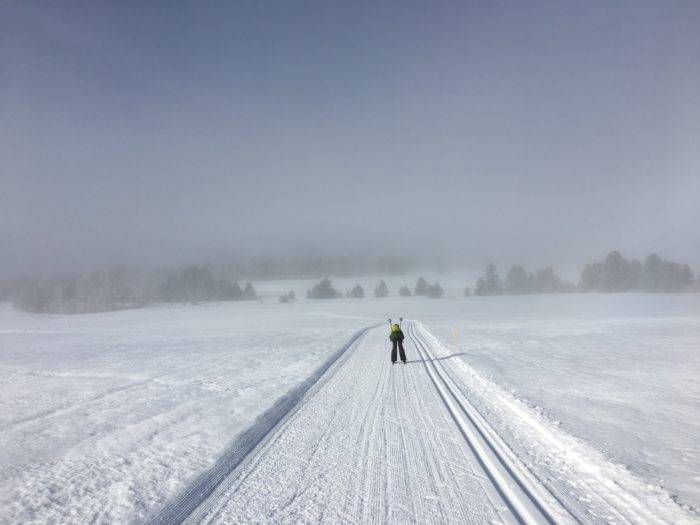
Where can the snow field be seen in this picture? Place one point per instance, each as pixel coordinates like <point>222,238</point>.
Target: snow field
<point>108,417</point>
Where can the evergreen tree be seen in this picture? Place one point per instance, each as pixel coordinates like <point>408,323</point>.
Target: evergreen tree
<point>634,277</point>
<point>381,290</point>
<point>493,281</point>
<point>615,278</point>
<point>357,292</point>
<point>651,273</point>
<point>435,291</point>
<point>405,291</point>
<point>591,277</point>
<point>518,281</point>
<point>421,287</point>
<point>480,287</point>
<point>616,274</point>
<point>467,291</point>
<point>287,297</point>
<point>323,290</point>
<point>547,281</point>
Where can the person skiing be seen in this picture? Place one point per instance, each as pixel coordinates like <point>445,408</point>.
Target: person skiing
<point>396,338</point>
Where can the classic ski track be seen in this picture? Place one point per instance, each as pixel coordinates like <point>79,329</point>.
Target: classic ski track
<point>379,443</point>
<point>529,501</point>
<point>595,488</point>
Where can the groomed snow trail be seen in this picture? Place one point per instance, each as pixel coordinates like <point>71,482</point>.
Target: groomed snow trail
<point>376,443</point>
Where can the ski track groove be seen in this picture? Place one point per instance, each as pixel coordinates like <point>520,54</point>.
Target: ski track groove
<point>526,506</point>
<point>586,498</point>
<point>470,514</point>
<point>370,442</point>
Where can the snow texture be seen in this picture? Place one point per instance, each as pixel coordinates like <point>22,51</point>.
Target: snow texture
<point>115,417</point>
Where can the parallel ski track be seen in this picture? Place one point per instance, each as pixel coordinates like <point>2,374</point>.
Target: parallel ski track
<point>194,496</point>
<point>529,502</point>
<point>526,499</point>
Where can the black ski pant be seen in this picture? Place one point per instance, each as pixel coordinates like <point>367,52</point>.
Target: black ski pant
<point>402,354</point>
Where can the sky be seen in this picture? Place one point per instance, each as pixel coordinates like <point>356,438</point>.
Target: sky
<point>152,133</point>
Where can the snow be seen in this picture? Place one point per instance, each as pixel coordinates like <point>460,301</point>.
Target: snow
<point>356,452</point>
<point>618,371</point>
<point>107,417</point>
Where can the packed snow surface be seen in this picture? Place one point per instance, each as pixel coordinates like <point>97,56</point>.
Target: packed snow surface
<point>109,417</point>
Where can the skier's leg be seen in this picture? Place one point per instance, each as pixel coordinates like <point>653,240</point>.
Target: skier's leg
<point>393,351</point>
<point>402,353</point>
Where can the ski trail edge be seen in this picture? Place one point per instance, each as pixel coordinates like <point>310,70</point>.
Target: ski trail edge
<point>198,491</point>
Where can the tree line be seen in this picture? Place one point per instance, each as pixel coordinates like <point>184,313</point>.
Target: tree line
<point>324,289</point>
<point>617,274</point>
<point>519,281</point>
<point>119,288</point>
<point>613,274</point>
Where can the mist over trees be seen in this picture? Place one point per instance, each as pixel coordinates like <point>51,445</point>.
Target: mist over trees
<point>323,290</point>
<point>490,284</point>
<point>421,287</point>
<point>357,292</point>
<point>435,291</point>
<point>121,288</point>
<point>287,297</point>
<point>404,291</point>
<point>381,290</point>
<point>520,282</point>
<point>194,284</point>
<point>98,291</point>
<point>613,274</point>
<point>617,274</point>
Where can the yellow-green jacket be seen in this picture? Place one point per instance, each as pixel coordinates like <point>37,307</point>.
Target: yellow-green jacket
<point>396,334</point>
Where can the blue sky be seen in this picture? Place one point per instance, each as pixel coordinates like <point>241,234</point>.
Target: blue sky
<point>167,132</point>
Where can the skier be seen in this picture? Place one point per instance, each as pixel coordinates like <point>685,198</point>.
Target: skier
<point>396,338</point>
